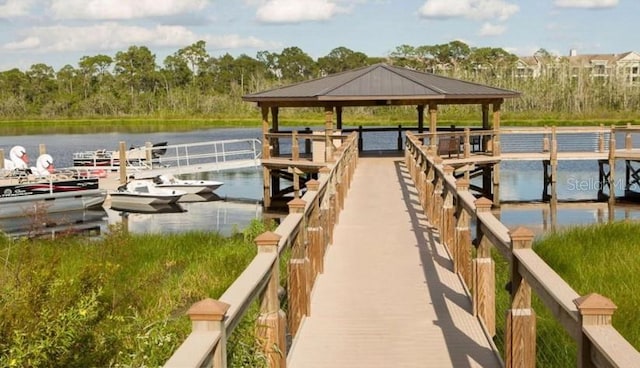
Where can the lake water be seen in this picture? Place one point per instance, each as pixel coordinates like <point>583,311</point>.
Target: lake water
<point>520,181</point>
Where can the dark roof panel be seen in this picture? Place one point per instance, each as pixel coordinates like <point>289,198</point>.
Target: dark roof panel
<point>383,81</point>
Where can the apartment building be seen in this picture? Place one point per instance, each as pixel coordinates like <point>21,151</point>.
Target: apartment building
<point>624,67</point>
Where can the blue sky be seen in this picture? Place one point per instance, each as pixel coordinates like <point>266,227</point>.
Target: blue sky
<point>60,32</point>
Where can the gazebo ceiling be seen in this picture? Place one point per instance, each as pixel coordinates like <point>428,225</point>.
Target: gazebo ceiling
<point>379,85</point>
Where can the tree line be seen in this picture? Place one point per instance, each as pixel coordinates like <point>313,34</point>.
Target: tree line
<point>192,83</point>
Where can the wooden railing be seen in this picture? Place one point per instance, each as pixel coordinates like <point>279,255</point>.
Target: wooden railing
<point>306,231</point>
<point>451,208</point>
<point>551,140</point>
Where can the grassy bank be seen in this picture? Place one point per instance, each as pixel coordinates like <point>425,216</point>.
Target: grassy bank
<point>601,259</point>
<point>286,118</point>
<point>119,301</point>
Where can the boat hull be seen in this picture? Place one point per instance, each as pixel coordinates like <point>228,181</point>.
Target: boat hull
<point>120,199</point>
<point>25,199</point>
<point>191,188</point>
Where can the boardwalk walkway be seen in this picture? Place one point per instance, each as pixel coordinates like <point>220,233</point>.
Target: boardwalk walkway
<point>388,296</point>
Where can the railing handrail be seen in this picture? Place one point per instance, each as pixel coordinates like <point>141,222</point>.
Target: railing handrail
<point>258,275</point>
<point>606,344</point>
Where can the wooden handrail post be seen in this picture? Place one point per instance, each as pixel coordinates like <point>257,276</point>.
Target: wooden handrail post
<point>612,166</point>
<point>436,197</point>
<point>299,284</point>
<point>545,141</point>
<point>601,139</point>
<point>520,332</point>
<point>484,279</point>
<point>595,310</point>
<point>210,315</point>
<point>315,232</point>
<point>272,320</point>
<point>462,238</point>
<point>447,221</point>
<point>122,156</point>
<point>1,158</point>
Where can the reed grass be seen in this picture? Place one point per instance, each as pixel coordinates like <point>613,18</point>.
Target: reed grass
<point>601,259</point>
<point>118,301</point>
<point>286,119</point>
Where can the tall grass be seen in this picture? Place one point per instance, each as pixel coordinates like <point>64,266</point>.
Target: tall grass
<point>120,301</point>
<point>603,259</point>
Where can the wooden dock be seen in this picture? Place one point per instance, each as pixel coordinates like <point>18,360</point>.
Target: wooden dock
<point>388,296</point>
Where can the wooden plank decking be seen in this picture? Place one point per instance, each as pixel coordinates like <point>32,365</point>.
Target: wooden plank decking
<point>388,296</point>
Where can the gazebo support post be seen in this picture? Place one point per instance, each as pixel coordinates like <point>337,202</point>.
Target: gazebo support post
<point>275,179</point>
<point>433,125</point>
<point>328,132</point>
<point>339,117</point>
<point>486,144</point>
<point>496,152</point>
<point>266,153</point>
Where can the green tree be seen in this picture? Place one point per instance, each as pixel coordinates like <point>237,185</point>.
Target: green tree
<point>42,83</point>
<point>195,56</point>
<point>295,65</point>
<point>136,69</point>
<point>341,59</point>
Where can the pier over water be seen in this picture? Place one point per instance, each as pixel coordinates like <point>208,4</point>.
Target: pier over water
<point>389,259</point>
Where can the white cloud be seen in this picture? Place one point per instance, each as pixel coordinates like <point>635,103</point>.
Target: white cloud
<point>26,44</point>
<point>14,8</point>
<point>589,4</point>
<point>122,9</point>
<point>113,36</point>
<point>294,11</point>
<point>489,29</point>
<point>470,9</point>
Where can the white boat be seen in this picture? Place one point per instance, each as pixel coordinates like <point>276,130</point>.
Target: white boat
<point>195,186</point>
<point>38,190</point>
<point>102,158</point>
<point>143,192</point>
<point>48,195</point>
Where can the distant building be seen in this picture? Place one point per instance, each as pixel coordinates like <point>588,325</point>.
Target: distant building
<point>624,67</point>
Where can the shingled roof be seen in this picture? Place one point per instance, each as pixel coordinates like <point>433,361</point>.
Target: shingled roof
<point>379,84</point>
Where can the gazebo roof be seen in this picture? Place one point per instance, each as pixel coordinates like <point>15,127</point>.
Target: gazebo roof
<point>379,84</point>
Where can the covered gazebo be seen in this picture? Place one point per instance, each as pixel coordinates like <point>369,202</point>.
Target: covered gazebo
<point>382,85</point>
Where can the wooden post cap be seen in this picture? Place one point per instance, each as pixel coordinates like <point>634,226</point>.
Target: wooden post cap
<point>462,184</point>
<point>208,310</point>
<point>521,234</point>
<point>324,170</point>
<point>268,238</point>
<point>296,205</point>
<point>483,204</point>
<point>448,170</point>
<point>595,304</point>
<point>313,185</point>
<point>521,238</point>
<point>437,160</point>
